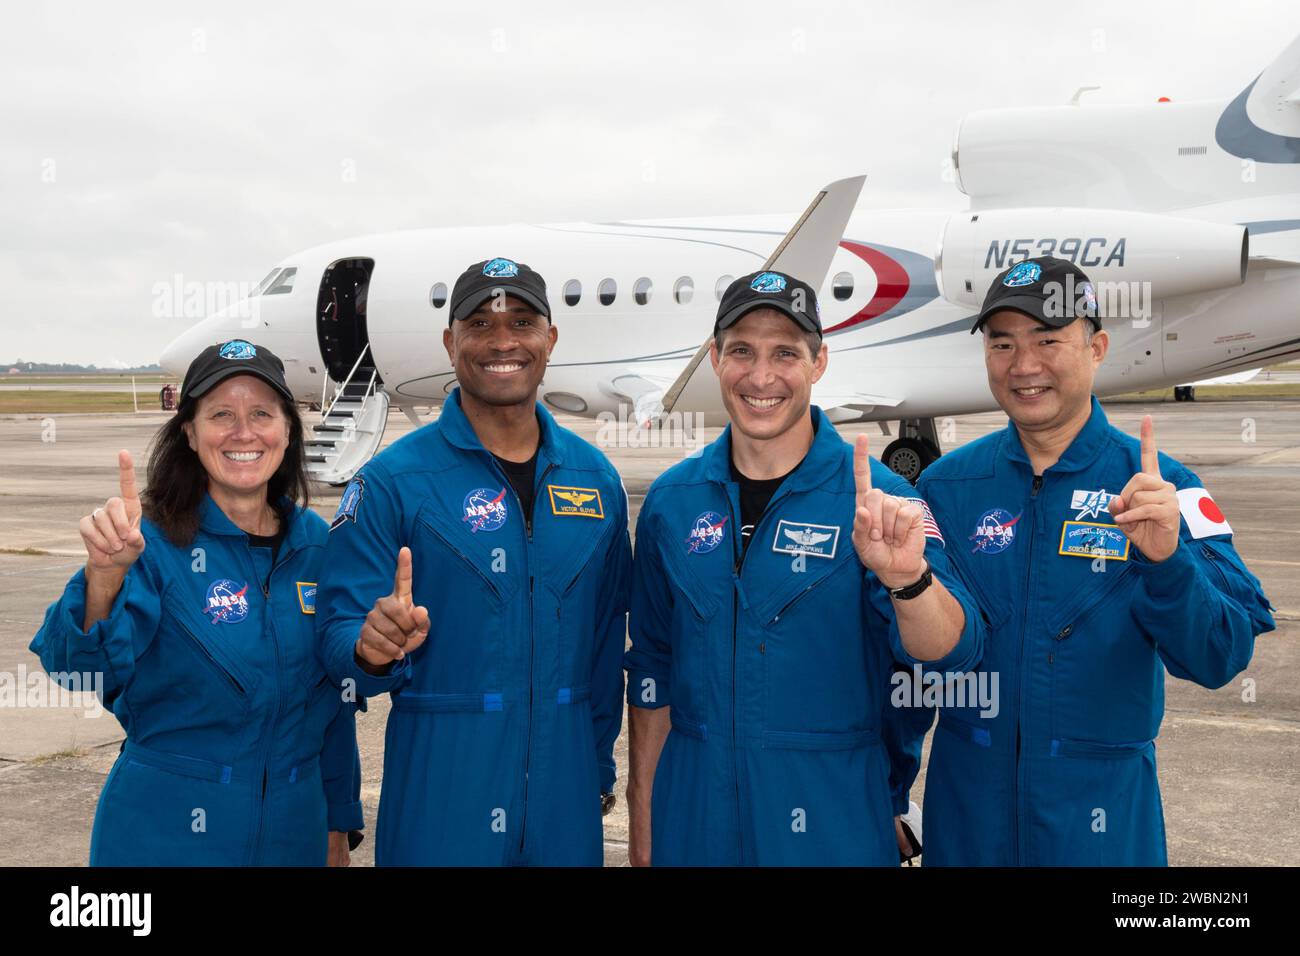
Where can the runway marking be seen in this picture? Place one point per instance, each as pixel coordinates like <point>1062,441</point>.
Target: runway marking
<point>1272,725</point>
<point>53,567</point>
<point>35,570</point>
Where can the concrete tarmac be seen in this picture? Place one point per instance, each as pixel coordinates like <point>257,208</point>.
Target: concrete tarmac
<point>1229,763</point>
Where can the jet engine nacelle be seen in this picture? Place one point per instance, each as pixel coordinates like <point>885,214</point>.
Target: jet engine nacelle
<point>1164,255</point>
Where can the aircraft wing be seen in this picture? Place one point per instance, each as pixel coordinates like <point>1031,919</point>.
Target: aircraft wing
<point>1236,378</point>
<point>837,389</point>
<point>644,387</point>
<point>806,252</point>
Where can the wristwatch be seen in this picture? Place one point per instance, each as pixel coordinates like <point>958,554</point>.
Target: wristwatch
<point>912,590</point>
<point>607,801</point>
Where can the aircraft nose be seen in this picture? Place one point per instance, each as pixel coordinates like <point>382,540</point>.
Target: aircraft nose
<point>176,357</point>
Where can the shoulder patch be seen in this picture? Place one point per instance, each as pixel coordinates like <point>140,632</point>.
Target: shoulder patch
<point>349,503</point>
<point>931,526</point>
<point>1203,517</point>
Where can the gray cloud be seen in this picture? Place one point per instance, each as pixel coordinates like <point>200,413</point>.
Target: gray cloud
<point>212,144</point>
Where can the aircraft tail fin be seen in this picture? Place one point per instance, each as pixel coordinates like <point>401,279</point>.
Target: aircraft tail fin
<point>805,252</point>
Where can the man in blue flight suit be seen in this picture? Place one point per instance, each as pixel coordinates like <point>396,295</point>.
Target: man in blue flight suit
<point>1093,588</point>
<point>503,634</point>
<point>760,725</point>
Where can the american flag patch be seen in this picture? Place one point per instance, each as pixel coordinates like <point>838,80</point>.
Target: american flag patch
<point>931,526</point>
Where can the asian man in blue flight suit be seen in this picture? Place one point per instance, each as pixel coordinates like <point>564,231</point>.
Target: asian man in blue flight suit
<point>1100,564</point>
<point>778,576</point>
<point>478,570</point>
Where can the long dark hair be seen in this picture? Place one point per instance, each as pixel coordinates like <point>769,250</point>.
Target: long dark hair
<point>177,479</point>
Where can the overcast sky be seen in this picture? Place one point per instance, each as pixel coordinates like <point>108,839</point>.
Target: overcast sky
<point>145,140</point>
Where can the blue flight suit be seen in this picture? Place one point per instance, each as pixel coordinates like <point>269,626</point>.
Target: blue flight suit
<point>785,748</point>
<point>239,749</point>
<point>1082,630</point>
<point>500,740</point>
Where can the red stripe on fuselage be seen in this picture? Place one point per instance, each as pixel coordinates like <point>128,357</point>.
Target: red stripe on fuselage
<point>892,284</point>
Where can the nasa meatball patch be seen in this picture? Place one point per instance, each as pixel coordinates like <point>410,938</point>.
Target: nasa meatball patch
<point>485,510</point>
<point>707,532</point>
<point>227,602</point>
<point>994,532</point>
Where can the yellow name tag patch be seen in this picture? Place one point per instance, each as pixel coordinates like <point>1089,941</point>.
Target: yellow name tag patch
<point>1084,539</point>
<point>585,502</point>
<point>307,596</point>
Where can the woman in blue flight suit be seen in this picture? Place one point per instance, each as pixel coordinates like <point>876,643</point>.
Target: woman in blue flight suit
<point>197,607</point>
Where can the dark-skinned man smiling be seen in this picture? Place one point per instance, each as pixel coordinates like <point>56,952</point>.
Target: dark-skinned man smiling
<point>478,571</point>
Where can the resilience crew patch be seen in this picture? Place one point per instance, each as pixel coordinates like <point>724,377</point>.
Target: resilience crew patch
<point>1085,539</point>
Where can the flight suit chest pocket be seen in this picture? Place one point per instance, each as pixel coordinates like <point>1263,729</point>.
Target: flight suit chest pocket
<point>217,648</point>
<point>794,588</point>
<point>1104,671</point>
<point>697,594</point>
<point>573,565</point>
<point>457,561</point>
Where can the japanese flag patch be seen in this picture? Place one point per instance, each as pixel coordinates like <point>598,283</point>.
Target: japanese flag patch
<point>1203,517</point>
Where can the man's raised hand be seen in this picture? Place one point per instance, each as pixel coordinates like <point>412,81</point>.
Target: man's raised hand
<point>1147,509</point>
<point>395,626</point>
<point>888,532</point>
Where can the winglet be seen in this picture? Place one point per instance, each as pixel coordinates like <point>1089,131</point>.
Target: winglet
<point>806,252</point>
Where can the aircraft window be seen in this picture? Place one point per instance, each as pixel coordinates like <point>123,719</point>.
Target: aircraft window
<point>641,291</point>
<point>607,291</point>
<point>284,283</point>
<point>842,286</point>
<point>683,290</point>
<point>721,287</point>
<point>572,292</point>
<point>438,295</point>
<point>262,286</point>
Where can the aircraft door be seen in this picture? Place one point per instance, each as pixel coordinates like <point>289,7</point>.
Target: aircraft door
<point>341,316</point>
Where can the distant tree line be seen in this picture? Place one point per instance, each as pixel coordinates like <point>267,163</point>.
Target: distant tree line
<point>69,369</point>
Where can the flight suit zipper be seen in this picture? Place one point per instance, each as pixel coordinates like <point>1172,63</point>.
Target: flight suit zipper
<point>532,634</point>
<point>1018,783</point>
<point>269,737</point>
<point>736,543</point>
<point>737,570</point>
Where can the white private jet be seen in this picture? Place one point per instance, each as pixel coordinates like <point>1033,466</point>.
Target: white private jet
<point>1185,216</point>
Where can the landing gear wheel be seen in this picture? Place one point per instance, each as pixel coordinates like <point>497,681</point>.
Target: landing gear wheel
<point>909,457</point>
<point>1184,393</point>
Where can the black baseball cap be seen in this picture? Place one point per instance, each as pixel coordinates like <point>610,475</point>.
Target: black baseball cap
<point>216,363</point>
<point>769,290</point>
<point>482,280</point>
<point>1053,291</point>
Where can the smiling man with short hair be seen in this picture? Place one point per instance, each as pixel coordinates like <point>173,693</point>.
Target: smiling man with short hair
<point>775,583</point>
<point>505,539</point>
<point>1100,565</point>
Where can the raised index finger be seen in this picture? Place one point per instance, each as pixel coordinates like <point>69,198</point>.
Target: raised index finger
<point>862,464</point>
<point>402,582</point>
<point>1150,457</point>
<point>126,475</point>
